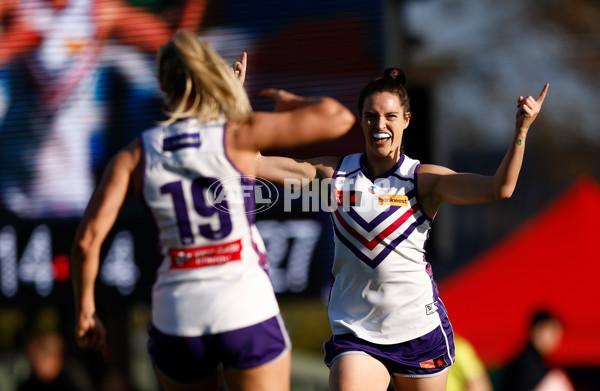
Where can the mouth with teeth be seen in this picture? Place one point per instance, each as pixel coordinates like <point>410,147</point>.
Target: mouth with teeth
<point>381,138</point>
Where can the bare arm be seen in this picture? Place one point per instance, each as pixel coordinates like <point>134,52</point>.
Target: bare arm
<point>97,221</point>
<point>296,121</point>
<point>284,171</point>
<point>439,184</point>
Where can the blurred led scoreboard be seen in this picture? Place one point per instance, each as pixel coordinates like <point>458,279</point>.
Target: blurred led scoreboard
<point>52,151</point>
<point>34,257</point>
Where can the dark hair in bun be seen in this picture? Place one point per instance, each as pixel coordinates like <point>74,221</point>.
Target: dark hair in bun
<point>395,74</point>
<point>392,81</point>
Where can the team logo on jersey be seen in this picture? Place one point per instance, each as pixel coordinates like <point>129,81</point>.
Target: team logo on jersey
<point>431,308</point>
<point>438,362</point>
<point>180,141</point>
<point>347,197</point>
<point>393,200</point>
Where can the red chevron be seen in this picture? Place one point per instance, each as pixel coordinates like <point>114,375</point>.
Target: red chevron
<point>371,244</point>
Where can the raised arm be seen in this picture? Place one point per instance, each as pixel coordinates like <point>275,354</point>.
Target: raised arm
<point>296,121</point>
<point>97,221</point>
<point>439,184</point>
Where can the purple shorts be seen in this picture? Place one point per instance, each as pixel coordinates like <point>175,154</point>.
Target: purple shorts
<point>188,360</point>
<point>425,356</point>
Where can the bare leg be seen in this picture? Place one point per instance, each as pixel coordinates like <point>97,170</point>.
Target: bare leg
<point>358,372</point>
<point>436,383</point>
<point>273,376</point>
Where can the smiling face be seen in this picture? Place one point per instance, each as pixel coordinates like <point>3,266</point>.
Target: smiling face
<point>383,120</point>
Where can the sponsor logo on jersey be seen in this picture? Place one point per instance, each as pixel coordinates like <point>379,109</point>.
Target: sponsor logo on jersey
<point>438,362</point>
<point>347,197</point>
<point>180,141</point>
<point>393,199</point>
<point>372,189</point>
<point>194,257</point>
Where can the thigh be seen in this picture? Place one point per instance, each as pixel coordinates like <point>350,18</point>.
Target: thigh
<point>272,376</point>
<point>433,383</point>
<point>358,371</point>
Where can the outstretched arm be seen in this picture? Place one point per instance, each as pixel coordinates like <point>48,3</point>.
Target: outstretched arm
<point>97,221</point>
<point>286,172</point>
<point>439,184</point>
<point>297,121</point>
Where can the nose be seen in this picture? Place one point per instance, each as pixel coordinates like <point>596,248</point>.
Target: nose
<point>381,123</point>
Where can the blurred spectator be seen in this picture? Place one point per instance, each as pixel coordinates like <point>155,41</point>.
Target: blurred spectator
<point>468,373</point>
<point>50,368</point>
<point>530,369</point>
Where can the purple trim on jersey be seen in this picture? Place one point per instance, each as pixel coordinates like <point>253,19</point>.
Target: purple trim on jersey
<point>225,151</point>
<point>374,262</point>
<point>425,356</point>
<point>143,199</point>
<point>180,141</point>
<point>408,179</point>
<point>248,203</point>
<point>369,226</point>
<point>189,360</point>
<point>336,172</point>
<point>416,181</point>
<point>385,174</point>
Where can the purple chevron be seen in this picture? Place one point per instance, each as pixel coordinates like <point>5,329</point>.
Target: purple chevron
<point>369,226</point>
<point>373,263</point>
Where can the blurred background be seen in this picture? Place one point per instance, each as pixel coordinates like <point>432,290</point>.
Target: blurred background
<point>77,82</point>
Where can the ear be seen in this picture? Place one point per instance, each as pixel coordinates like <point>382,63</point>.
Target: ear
<point>407,116</point>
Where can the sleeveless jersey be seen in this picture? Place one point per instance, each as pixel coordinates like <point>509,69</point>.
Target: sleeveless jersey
<point>383,290</point>
<point>211,279</point>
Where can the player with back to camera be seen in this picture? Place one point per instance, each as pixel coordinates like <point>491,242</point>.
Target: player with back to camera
<point>384,310</point>
<point>212,301</point>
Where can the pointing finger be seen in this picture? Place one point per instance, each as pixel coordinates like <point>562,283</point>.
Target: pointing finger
<point>542,96</point>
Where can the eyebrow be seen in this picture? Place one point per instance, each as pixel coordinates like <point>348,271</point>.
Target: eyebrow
<point>375,112</point>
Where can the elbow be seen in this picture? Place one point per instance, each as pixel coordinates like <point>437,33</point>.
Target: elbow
<point>342,117</point>
<point>504,192</point>
<point>82,246</point>
<point>348,120</point>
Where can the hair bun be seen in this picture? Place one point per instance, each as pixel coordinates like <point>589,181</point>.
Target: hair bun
<point>395,74</point>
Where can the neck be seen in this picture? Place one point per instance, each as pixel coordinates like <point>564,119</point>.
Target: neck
<point>379,165</point>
